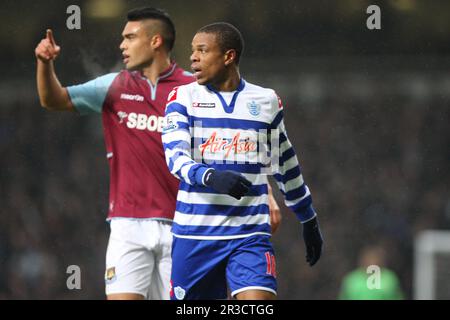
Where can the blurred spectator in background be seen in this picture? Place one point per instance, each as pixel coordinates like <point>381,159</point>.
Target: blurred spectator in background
<point>361,284</point>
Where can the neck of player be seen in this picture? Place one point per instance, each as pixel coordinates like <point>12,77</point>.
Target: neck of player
<point>230,81</point>
<point>158,65</point>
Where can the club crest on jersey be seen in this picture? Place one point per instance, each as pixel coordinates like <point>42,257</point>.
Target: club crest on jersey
<point>179,293</point>
<point>203,105</point>
<point>110,274</point>
<point>122,115</point>
<point>254,108</point>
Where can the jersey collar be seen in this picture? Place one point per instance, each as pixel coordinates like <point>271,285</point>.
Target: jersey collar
<point>228,108</point>
<point>166,73</point>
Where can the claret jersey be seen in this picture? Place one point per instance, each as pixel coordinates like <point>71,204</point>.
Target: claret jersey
<point>132,111</point>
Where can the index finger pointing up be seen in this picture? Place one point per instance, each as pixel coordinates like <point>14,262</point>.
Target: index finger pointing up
<point>50,37</point>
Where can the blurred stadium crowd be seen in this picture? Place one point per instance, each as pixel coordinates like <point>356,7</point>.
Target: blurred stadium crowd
<point>372,134</point>
<point>376,165</point>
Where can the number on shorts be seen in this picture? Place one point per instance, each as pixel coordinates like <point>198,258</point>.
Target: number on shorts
<point>271,265</point>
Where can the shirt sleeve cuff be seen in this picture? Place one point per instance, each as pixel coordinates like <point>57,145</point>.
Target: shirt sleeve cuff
<point>200,175</point>
<point>305,214</point>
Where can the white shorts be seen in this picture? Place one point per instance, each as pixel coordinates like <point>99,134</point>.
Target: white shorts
<point>138,258</point>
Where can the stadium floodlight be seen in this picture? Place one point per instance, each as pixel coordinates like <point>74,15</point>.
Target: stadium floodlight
<point>105,8</point>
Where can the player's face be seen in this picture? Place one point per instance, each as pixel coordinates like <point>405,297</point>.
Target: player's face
<point>208,60</point>
<point>136,46</point>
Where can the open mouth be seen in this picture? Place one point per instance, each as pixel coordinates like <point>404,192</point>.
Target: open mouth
<point>197,71</point>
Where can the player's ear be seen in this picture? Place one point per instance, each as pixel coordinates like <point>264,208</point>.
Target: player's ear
<point>156,41</point>
<point>230,57</point>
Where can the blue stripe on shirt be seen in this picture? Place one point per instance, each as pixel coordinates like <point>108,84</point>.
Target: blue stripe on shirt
<point>302,206</point>
<point>176,107</point>
<point>174,158</point>
<point>223,210</point>
<point>178,229</point>
<point>255,190</point>
<point>283,138</point>
<point>286,156</point>
<point>289,175</point>
<point>227,123</point>
<point>305,213</point>
<point>196,173</point>
<point>242,168</point>
<point>179,144</point>
<point>296,193</point>
<point>278,118</point>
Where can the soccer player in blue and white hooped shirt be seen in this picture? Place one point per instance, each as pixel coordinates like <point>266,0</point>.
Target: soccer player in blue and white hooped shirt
<point>222,137</point>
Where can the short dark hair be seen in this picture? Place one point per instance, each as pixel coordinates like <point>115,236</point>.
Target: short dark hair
<point>228,37</point>
<point>168,31</point>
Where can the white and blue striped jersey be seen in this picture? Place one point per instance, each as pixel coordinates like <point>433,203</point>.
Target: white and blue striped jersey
<point>242,131</point>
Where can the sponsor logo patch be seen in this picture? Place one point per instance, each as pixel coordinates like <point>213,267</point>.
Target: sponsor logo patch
<point>203,105</point>
<point>132,97</point>
<point>235,145</point>
<point>171,124</point>
<point>172,95</point>
<point>145,122</point>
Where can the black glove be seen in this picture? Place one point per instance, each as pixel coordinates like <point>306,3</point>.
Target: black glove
<point>313,241</point>
<point>228,182</point>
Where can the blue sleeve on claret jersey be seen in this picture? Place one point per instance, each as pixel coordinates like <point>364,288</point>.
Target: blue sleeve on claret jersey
<point>89,97</point>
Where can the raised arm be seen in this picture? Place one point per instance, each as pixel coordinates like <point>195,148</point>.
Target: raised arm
<point>52,95</point>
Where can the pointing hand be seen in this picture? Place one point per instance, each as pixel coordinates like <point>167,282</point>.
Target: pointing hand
<point>47,50</point>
